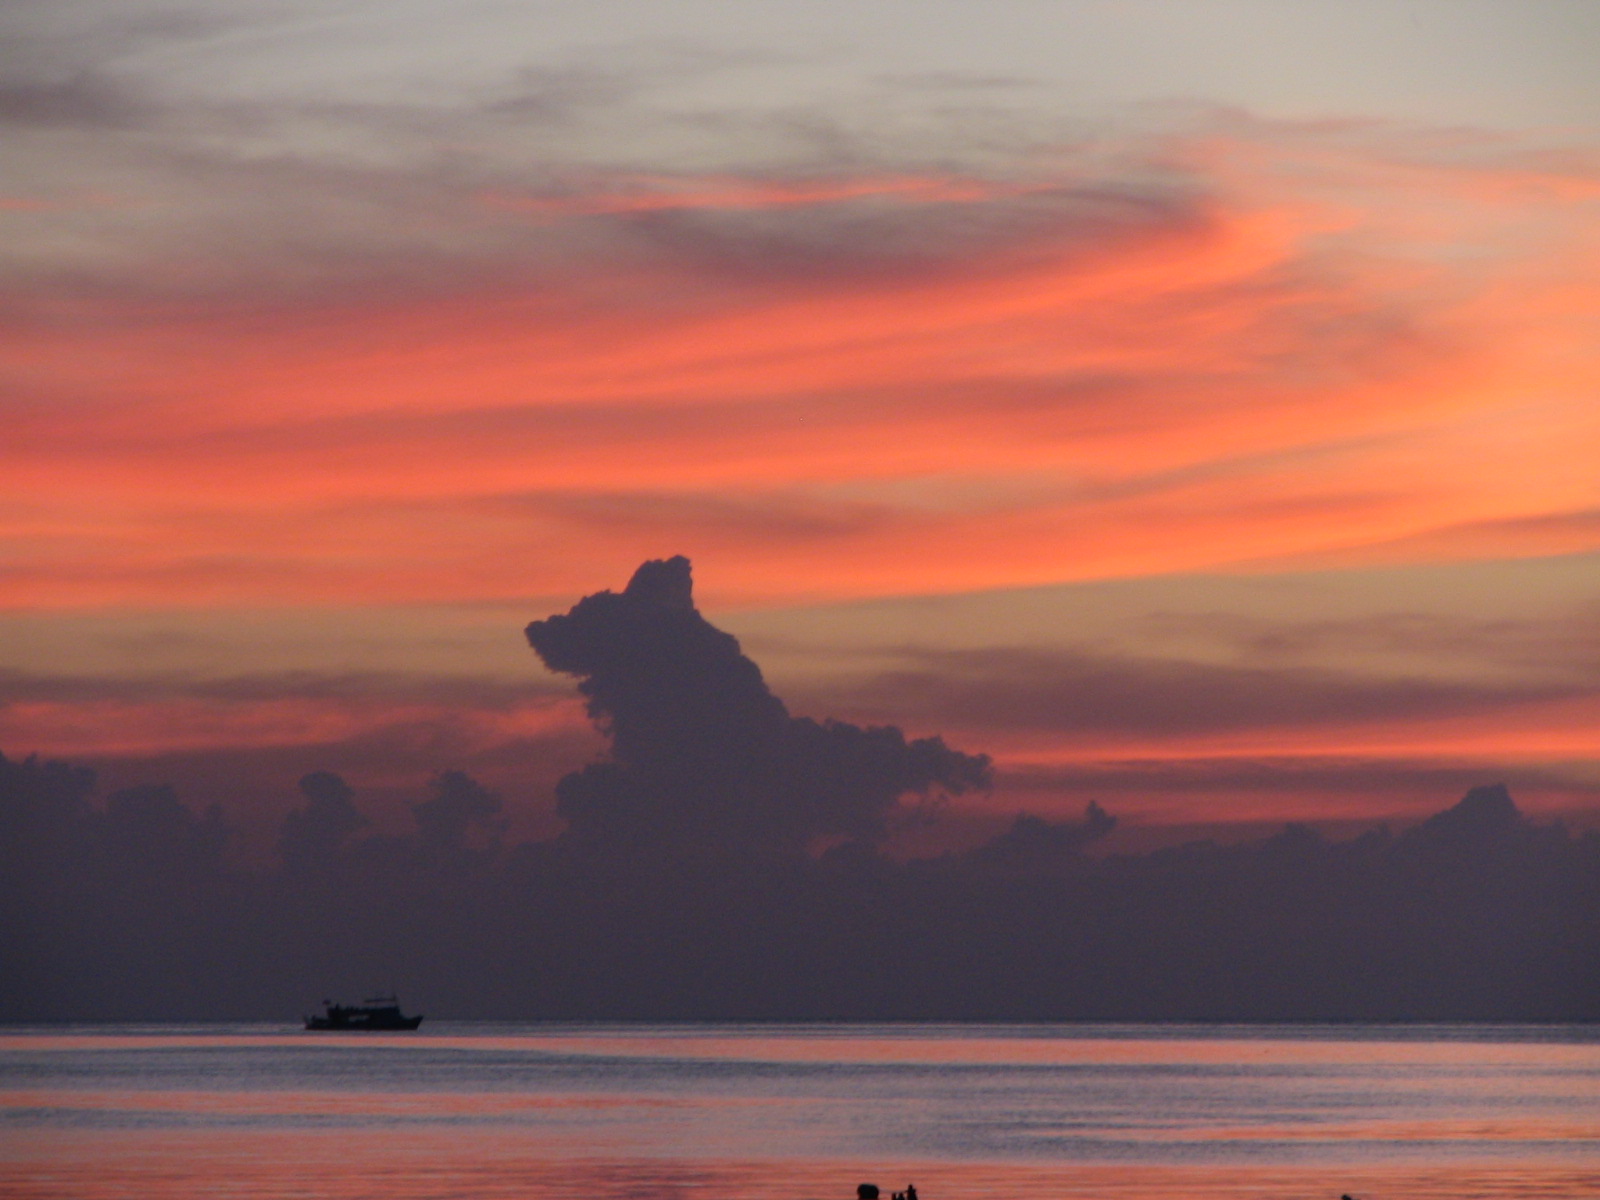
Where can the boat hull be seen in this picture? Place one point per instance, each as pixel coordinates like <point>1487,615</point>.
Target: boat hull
<point>381,1014</point>
<point>356,1025</point>
<point>362,1026</point>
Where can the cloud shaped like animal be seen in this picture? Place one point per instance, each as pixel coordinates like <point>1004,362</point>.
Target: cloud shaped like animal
<point>700,747</point>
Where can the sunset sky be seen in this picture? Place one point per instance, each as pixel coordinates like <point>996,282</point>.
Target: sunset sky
<point>1194,405</point>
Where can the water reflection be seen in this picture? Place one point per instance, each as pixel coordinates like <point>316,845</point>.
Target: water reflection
<point>542,1114</point>
<point>277,1167</point>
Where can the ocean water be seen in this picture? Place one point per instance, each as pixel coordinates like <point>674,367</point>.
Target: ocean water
<point>560,1112</point>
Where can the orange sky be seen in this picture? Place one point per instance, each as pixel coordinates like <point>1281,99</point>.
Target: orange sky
<point>1243,364</point>
<point>291,453</point>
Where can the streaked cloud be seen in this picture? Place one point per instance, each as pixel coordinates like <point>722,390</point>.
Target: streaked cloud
<point>280,343</point>
<point>1086,379</point>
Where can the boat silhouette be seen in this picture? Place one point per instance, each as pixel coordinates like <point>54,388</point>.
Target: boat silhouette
<point>378,1013</point>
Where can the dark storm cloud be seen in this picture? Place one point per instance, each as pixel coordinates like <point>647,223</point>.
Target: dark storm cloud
<point>701,748</point>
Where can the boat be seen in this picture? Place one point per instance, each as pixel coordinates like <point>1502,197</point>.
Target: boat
<point>380,1013</point>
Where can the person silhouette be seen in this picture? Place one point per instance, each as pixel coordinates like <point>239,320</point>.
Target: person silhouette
<point>911,1191</point>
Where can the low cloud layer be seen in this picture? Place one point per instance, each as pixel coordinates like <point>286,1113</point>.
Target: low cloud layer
<point>1206,700</point>
<point>133,907</point>
<point>727,860</point>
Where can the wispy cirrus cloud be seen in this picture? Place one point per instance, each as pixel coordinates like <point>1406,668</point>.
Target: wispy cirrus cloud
<point>1179,377</point>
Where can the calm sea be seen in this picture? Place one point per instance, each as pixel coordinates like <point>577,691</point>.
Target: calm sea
<point>540,1112</point>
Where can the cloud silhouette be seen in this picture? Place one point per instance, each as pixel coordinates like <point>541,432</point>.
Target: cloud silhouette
<point>702,749</point>
<point>1033,843</point>
<point>313,835</point>
<point>459,804</point>
<point>131,910</point>
<point>682,888</point>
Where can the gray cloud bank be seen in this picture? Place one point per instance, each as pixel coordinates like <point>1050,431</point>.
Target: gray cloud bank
<point>1086,693</point>
<point>725,860</point>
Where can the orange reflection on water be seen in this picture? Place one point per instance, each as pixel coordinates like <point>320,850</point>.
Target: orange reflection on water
<point>280,1166</point>
<point>1282,1117</point>
<point>492,1105</point>
<point>1065,1048</point>
<point>1531,1129</point>
<point>333,1103</point>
